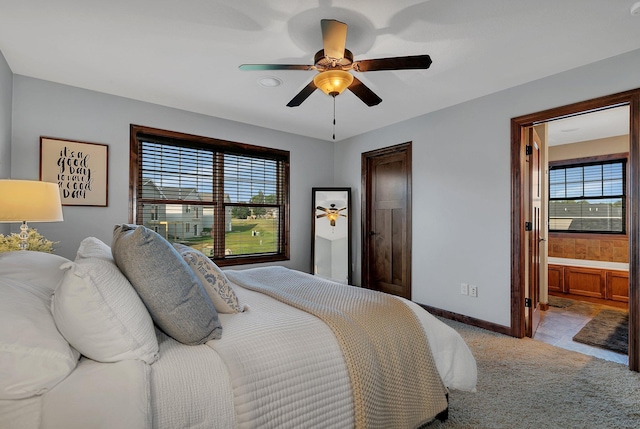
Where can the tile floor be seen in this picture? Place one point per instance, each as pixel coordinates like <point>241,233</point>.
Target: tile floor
<point>559,325</point>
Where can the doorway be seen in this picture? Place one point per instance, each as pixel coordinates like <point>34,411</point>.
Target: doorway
<point>520,236</point>
<point>386,220</point>
<point>585,230</point>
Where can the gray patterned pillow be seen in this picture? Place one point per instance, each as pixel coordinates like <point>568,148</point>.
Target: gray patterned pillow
<point>174,296</point>
<point>213,278</point>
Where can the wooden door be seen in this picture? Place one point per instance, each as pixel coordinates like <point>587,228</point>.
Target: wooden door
<point>534,198</point>
<point>386,235</point>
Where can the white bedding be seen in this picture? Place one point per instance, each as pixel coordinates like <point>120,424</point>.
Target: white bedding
<point>286,369</point>
<point>190,388</point>
<point>456,364</point>
<point>100,396</point>
<point>275,366</point>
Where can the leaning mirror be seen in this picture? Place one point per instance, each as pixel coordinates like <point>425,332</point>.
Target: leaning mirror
<point>331,234</point>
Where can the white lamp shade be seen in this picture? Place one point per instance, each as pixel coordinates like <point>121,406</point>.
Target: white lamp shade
<point>30,201</point>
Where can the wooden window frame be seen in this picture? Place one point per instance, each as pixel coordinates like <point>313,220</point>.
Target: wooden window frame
<point>219,146</point>
<point>596,160</point>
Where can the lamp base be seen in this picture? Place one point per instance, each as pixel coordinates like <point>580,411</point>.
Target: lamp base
<point>24,235</point>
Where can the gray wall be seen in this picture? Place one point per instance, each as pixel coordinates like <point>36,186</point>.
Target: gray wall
<point>42,108</point>
<point>6,94</point>
<point>461,172</point>
<point>461,184</point>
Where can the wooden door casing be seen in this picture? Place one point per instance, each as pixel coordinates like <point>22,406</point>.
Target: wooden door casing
<point>518,125</point>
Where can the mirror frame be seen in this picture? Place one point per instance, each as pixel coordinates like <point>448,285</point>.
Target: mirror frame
<point>314,193</point>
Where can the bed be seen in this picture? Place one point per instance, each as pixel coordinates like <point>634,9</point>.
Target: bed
<point>83,345</point>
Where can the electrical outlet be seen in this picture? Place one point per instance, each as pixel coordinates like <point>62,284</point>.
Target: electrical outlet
<point>473,291</point>
<point>464,288</point>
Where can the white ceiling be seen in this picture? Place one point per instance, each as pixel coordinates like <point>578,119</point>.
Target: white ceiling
<point>185,54</point>
<point>589,126</point>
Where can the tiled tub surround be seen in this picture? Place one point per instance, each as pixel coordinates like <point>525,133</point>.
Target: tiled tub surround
<point>592,247</point>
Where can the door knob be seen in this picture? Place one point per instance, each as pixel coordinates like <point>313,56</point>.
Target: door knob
<point>372,233</point>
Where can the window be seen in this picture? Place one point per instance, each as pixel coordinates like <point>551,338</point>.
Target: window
<point>228,200</point>
<point>588,197</point>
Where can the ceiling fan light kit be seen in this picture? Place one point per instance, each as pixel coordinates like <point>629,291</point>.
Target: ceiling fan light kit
<point>331,213</point>
<point>335,60</point>
<point>333,82</point>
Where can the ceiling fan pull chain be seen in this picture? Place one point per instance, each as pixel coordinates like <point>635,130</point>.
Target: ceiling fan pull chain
<point>334,117</point>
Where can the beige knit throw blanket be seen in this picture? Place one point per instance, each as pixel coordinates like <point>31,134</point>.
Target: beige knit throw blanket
<point>393,375</point>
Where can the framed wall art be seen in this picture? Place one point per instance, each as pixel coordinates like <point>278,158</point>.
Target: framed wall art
<point>80,169</point>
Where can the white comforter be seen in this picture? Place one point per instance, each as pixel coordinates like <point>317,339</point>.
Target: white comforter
<point>275,366</point>
<point>282,367</point>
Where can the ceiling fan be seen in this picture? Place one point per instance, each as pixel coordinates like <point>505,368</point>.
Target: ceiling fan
<point>334,62</point>
<point>331,213</point>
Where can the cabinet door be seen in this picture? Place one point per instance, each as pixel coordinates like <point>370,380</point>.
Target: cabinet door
<point>556,278</point>
<point>585,281</point>
<point>618,286</point>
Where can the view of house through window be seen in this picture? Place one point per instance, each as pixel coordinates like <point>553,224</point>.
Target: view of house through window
<point>228,200</point>
<point>587,197</point>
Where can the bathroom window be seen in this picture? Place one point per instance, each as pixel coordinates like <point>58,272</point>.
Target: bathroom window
<point>588,197</point>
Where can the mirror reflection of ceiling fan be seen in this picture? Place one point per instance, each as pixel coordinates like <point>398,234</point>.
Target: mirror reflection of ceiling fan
<point>334,62</point>
<point>331,213</point>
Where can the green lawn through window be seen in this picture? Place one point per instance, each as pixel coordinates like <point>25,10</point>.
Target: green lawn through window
<point>247,236</point>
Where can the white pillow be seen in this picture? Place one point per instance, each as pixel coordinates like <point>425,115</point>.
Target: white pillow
<point>34,357</point>
<point>101,315</point>
<point>92,247</point>
<point>214,280</point>
<point>36,268</point>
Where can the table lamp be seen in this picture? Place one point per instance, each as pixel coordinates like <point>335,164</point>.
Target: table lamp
<point>29,201</point>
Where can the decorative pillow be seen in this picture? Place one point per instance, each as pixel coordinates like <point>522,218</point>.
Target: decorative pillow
<point>92,247</point>
<point>175,297</point>
<point>34,357</point>
<point>212,277</point>
<point>98,311</point>
<point>21,265</point>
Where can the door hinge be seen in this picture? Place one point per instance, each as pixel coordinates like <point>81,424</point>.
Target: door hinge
<point>527,302</point>
<point>528,150</point>
<point>528,226</point>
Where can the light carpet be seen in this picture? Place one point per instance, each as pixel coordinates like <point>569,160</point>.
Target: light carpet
<point>523,383</point>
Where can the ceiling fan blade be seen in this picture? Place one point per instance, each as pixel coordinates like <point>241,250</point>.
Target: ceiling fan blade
<point>321,215</point>
<point>395,63</point>
<point>334,38</point>
<point>364,93</point>
<point>302,95</point>
<point>251,67</point>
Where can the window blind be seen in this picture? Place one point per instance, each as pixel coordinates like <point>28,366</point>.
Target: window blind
<point>228,200</point>
<point>588,197</point>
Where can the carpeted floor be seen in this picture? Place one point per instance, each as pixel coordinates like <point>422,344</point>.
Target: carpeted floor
<point>609,329</point>
<point>523,383</point>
